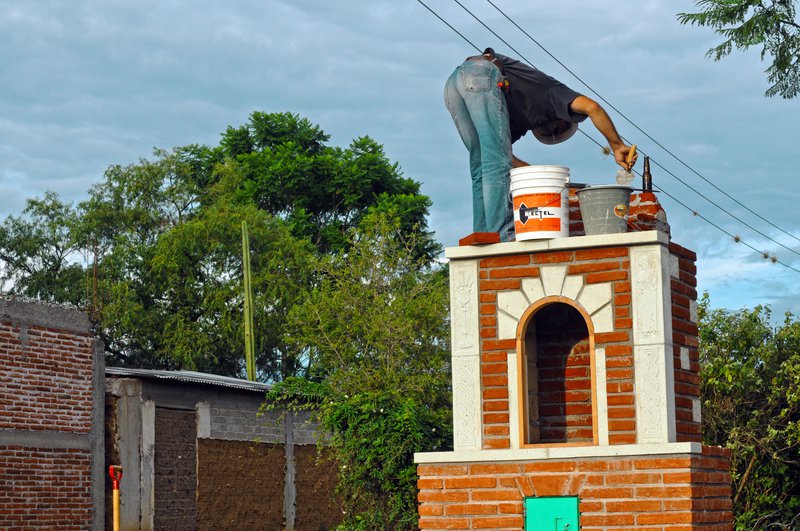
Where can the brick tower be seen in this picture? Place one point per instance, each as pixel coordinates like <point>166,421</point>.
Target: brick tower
<point>576,400</point>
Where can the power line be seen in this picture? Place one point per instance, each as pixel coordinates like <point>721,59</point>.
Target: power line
<point>644,133</point>
<point>435,14</point>
<point>726,194</point>
<point>687,185</point>
<point>694,212</point>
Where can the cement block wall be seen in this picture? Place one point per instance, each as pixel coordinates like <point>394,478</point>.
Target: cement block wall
<point>238,423</point>
<point>204,456</point>
<point>51,418</point>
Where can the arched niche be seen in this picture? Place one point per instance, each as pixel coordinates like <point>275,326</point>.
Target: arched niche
<point>555,344</point>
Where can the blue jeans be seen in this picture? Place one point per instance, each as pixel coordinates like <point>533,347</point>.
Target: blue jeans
<point>478,108</point>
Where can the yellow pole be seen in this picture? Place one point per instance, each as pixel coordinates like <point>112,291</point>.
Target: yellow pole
<point>116,509</point>
<point>115,471</point>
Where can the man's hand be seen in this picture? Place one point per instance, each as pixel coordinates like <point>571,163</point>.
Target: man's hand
<point>621,156</point>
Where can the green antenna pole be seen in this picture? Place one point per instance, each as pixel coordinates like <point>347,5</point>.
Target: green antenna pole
<point>249,340</point>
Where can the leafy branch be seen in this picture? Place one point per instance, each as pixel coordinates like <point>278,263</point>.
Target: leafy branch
<point>747,23</point>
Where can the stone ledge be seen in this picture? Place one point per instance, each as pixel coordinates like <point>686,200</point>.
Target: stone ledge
<point>572,452</point>
<point>558,244</point>
<point>39,314</point>
<point>55,440</point>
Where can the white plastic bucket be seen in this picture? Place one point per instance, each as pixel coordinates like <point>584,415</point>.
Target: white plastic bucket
<point>541,202</point>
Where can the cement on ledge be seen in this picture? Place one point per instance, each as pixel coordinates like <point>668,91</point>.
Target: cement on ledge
<point>558,244</point>
<point>573,452</point>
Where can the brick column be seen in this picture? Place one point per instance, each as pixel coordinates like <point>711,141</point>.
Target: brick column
<point>51,419</point>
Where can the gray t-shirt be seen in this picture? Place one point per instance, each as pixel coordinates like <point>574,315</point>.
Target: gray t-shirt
<point>535,99</point>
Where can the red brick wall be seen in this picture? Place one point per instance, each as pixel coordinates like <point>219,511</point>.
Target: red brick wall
<point>46,379</point>
<point>657,493</point>
<point>565,383</point>
<point>610,264</point>
<point>48,473</point>
<point>684,335</point>
<point>44,488</point>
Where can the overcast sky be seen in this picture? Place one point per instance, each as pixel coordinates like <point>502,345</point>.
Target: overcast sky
<point>89,83</point>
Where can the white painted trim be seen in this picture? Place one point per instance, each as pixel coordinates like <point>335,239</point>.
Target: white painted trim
<point>533,454</point>
<point>148,475</point>
<point>203,419</point>
<point>467,421</point>
<point>685,363</point>
<point>558,244</point>
<point>697,410</point>
<point>654,376</point>
<point>674,266</point>
<point>513,400</point>
<point>464,309</point>
<point>466,355</point>
<point>602,396</point>
<point>553,279</point>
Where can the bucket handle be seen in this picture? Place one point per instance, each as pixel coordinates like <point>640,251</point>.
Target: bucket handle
<point>511,197</point>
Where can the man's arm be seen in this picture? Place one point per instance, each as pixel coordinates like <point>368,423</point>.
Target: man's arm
<point>517,163</point>
<point>602,121</point>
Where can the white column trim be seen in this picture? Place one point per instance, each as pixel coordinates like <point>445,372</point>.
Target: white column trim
<point>466,354</point>
<point>513,401</point>
<point>601,392</point>
<point>654,377</point>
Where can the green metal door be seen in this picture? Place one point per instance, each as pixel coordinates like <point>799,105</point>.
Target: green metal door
<point>557,513</point>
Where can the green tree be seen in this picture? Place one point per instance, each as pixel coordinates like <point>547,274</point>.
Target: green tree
<point>170,270</point>
<point>378,314</point>
<point>166,230</point>
<point>322,191</point>
<point>750,374</point>
<point>377,329</point>
<point>745,23</point>
<point>39,256</point>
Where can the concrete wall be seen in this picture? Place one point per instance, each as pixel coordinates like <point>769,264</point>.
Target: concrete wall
<point>51,418</point>
<point>175,462</point>
<point>203,456</point>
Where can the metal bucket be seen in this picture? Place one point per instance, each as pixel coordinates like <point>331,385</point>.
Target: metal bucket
<point>604,208</point>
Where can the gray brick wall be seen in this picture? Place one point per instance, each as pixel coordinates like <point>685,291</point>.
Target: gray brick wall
<point>233,424</point>
<point>305,430</point>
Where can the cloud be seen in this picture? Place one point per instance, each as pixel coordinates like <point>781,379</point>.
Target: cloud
<point>90,83</point>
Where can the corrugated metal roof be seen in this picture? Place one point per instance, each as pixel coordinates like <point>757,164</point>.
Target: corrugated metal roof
<point>190,377</point>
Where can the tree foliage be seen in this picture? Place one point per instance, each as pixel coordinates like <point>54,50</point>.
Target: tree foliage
<point>377,329</point>
<point>322,191</point>
<point>170,271</point>
<point>38,252</point>
<point>751,404</point>
<point>167,235</point>
<point>379,312</point>
<point>772,25</point>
